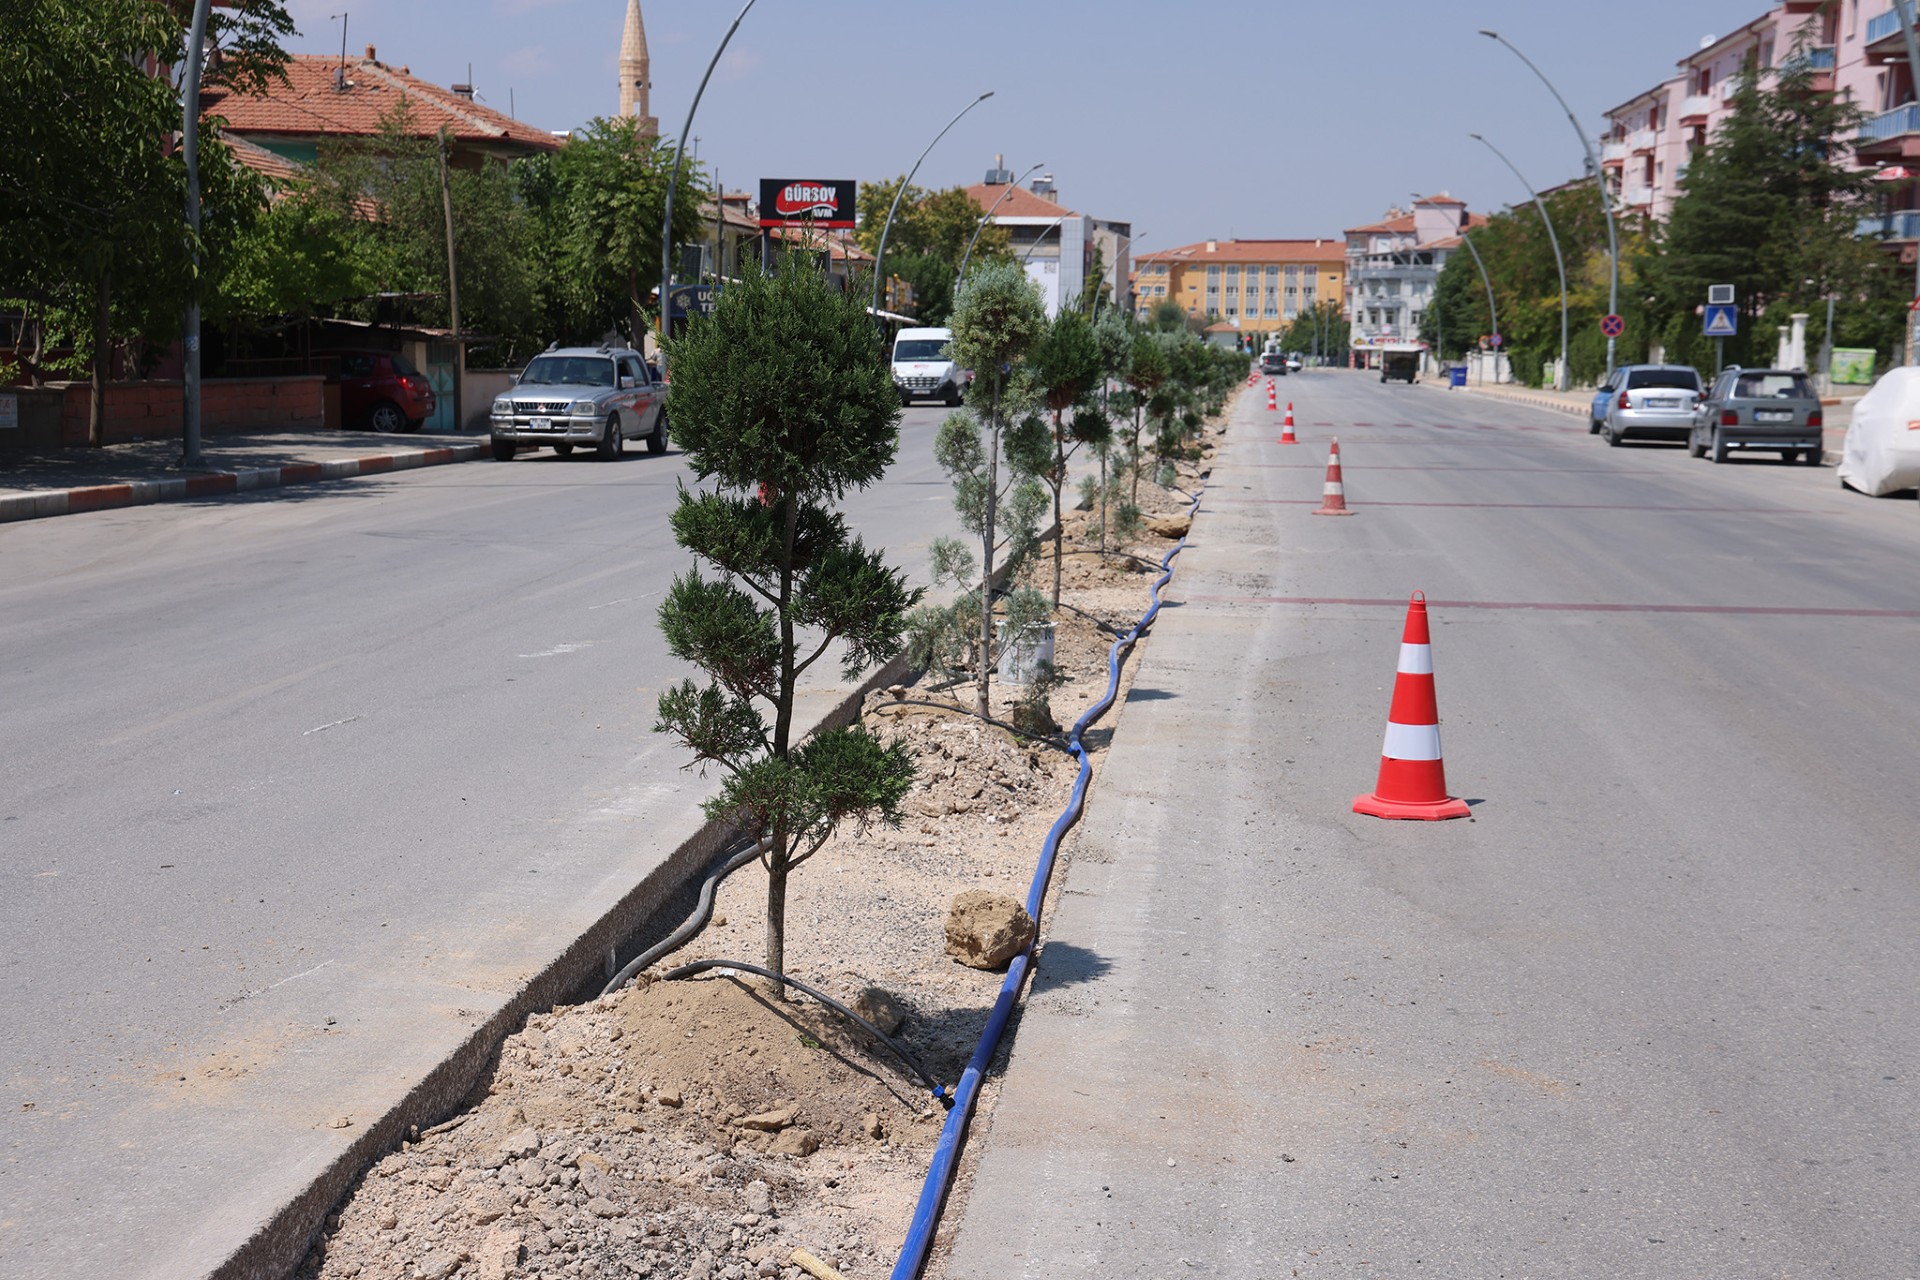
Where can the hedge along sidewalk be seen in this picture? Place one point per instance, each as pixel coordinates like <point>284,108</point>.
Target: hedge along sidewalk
<point>69,481</point>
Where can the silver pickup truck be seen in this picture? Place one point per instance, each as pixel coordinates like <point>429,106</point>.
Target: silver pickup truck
<point>570,396</point>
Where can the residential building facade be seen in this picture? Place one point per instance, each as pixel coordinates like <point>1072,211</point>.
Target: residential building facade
<point>1392,268</point>
<point>1257,287</point>
<point>1052,243</point>
<point>1853,48</point>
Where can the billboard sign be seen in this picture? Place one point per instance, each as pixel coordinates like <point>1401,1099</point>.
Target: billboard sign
<point>815,202</point>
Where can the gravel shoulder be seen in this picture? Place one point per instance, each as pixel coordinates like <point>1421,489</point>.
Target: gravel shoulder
<point>699,1130</point>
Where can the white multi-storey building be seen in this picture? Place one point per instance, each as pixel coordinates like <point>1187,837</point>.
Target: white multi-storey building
<point>1392,266</point>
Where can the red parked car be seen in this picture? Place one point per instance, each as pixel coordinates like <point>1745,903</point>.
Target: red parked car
<point>382,391</point>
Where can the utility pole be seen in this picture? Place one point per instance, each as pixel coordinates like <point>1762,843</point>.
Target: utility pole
<point>190,459</point>
<point>453,288</point>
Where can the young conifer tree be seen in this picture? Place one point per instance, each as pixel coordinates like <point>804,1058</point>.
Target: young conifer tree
<point>778,399</point>
<point>997,317</point>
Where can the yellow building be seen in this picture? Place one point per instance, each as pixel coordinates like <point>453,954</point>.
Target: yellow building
<point>1257,286</point>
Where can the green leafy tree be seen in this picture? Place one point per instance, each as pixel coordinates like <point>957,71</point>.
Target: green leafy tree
<point>929,240</point>
<point>300,258</point>
<point>1320,327</point>
<point>602,199</point>
<point>1063,368</point>
<point>1167,316</point>
<point>92,193</point>
<point>997,318</point>
<point>393,182</point>
<point>1769,206</point>
<point>777,399</point>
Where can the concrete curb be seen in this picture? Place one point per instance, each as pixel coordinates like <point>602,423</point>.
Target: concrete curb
<point>140,493</point>
<point>1531,400</point>
<point>280,1243</point>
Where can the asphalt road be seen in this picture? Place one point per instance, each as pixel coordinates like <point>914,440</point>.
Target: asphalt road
<point>1648,1012</point>
<point>298,789</point>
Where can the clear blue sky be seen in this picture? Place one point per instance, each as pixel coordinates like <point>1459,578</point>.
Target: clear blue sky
<point>1195,120</point>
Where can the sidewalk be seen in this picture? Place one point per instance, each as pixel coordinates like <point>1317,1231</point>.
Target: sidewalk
<point>69,481</point>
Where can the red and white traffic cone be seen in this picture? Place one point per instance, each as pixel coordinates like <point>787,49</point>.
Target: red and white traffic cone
<point>1286,428</point>
<point>1273,405</point>
<point>1413,780</point>
<point>1333,496</point>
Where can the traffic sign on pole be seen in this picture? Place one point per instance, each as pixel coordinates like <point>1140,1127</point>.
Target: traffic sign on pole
<point>1496,339</point>
<point>1613,325</point>
<point>1722,321</point>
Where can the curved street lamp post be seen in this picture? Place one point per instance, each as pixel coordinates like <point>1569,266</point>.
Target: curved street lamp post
<point>982,224</point>
<point>1593,163</point>
<point>1560,379</point>
<point>1492,315</point>
<point>880,258</point>
<point>680,154</point>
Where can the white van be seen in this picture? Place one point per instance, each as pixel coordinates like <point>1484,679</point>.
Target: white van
<point>924,370</point>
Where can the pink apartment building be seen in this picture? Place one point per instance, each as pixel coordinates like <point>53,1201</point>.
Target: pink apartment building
<point>1855,50</point>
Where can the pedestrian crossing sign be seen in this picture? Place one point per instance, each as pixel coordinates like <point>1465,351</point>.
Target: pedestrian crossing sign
<point>1722,322</point>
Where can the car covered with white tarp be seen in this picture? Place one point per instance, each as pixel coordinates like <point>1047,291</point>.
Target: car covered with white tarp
<point>1882,450</point>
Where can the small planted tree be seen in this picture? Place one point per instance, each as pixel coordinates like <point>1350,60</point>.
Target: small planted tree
<point>1063,368</point>
<point>777,399</point>
<point>997,318</point>
<point>1147,371</point>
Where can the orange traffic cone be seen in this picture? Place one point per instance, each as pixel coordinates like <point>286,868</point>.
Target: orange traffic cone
<point>1333,495</point>
<point>1286,428</point>
<point>1273,405</point>
<point>1413,781</point>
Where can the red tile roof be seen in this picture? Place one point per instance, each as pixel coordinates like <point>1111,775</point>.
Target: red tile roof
<point>309,105</point>
<point>1391,225</point>
<point>275,168</point>
<point>1326,249</point>
<point>1019,202</point>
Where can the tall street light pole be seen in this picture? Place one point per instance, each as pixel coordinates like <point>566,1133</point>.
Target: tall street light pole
<point>679,155</point>
<point>1492,315</point>
<point>1114,268</point>
<point>982,224</point>
<point>1560,381</point>
<point>880,258</point>
<point>190,459</point>
<point>1599,176</point>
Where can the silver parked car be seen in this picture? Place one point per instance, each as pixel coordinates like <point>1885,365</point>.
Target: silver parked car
<point>579,396</point>
<point>1759,409</point>
<point>1649,402</point>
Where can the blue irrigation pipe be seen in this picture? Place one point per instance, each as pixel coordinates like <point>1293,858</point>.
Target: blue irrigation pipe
<point>946,1154</point>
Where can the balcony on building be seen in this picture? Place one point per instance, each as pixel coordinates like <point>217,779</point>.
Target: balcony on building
<point>1883,36</point>
<point>1891,135</point>
<point>1638,195</point>
<point>1641,141</point>
<point>1613,152</point>
<point>1697,108</point>
<point>1901,224</point>
<point>1819,59</point>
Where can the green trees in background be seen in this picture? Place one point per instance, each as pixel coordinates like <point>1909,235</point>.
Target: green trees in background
<point>92,190</point>
<point>929,238</point>
<point>777,399</point>
<point>597,206</point>
<point>1770,205</point>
